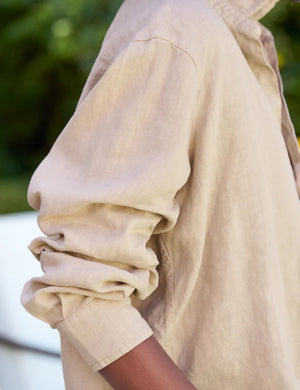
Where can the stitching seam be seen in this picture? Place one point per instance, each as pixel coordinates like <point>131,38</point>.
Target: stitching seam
<point>177,47</point>
<point>74,312</point>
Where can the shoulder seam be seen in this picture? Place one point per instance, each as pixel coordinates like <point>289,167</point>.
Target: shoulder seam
<point>173,44</point>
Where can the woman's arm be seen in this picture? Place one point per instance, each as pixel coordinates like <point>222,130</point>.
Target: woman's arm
<point>107,185</point>
<point>146,367</point>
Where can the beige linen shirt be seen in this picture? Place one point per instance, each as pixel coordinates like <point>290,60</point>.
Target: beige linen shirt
<point>169,202</point>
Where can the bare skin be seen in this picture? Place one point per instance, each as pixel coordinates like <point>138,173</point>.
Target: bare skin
<point>146,367</point>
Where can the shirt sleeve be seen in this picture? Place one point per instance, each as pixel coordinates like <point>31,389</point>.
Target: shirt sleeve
<point>107,184</point>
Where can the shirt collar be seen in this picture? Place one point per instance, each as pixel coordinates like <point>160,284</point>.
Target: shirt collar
<point>243,14</point>
<point>254,9</point>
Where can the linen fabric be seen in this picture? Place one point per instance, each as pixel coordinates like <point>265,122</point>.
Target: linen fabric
<point>170,204</point>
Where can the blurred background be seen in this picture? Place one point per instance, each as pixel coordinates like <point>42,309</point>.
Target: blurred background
<point>47,49</point>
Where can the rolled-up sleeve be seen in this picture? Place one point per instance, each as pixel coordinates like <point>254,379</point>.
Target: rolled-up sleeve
<point>107,184</point>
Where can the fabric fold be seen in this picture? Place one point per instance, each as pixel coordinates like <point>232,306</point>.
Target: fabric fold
<point>107,185</point>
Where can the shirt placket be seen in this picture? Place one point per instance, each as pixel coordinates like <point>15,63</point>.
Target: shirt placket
<point>258,46</point>
<point>287,127</point>
<point>288,130</point>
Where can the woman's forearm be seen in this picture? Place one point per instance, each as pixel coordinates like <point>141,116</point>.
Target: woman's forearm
<point>146,367</point>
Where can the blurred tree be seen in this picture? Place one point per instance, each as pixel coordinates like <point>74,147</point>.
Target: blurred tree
<point>47,50</point>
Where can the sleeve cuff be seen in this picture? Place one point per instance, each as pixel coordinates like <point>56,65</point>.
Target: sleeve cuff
<point>102,331</point>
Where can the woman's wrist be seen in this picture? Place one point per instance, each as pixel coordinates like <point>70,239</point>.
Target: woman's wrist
<point>146,367</point>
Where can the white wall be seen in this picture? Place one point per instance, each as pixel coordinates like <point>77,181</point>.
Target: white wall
<point>23,370</point>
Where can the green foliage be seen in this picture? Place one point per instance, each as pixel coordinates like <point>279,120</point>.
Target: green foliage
<point>13,195</point>
<point>47,50</point>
